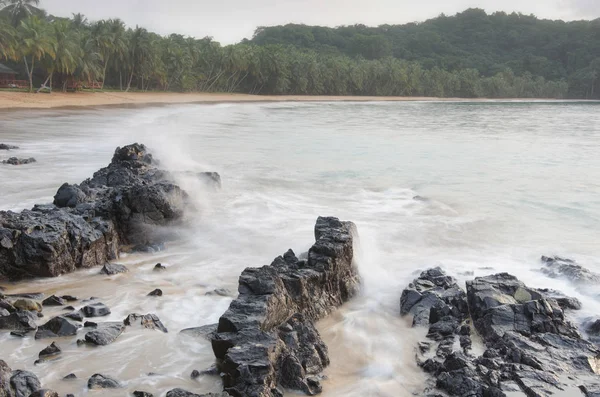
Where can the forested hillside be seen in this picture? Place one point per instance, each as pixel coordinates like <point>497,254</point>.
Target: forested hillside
<point>472,39</point>
<point>468,55</point>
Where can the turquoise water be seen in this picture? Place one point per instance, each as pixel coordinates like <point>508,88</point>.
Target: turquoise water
<point>502,184</point>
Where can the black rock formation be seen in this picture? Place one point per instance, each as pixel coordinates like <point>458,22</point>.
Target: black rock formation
<point>266,340</point>
<point>99,381</point>
<point>121,205</point>
<point>105,333</point>
<point>531,348</point>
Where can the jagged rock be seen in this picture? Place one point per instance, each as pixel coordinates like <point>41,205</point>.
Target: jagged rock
<point>19,334</point>
<point>56,327</point>
<point>69,298</point>
<point>4,146</point>
<point>4,304</point>
<point>70,377</point>
<point>205,331</point>
<point>195,374</point>
<point>53,301</point>
<point>113,268</point>
<point>266,338</point>
<point>90,324</point>
<point>156,292</point>
<point>5,374</point>
<point>556,267</point>
<point>433,288</point>
<point>97,309</point>
<point>24,383</point>
<point>528,341</point>
<point>138,393</point>
<point>49,353</point>
<point>150,321</point>
<point>105,333</point>
<point>123,203</point>
<point>19,321</point>
<point>27,304</point>
<point>99,381</point>
<point>44,393</point>
<point>18,161</point>
<point>183,393</point>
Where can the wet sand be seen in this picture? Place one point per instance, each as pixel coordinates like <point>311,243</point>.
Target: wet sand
<point>21,100</point>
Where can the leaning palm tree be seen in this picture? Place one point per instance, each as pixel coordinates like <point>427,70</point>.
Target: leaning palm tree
<point>35,43</point>
<point>90,63</point>
<point>67,51</point>
<point>18,10</point>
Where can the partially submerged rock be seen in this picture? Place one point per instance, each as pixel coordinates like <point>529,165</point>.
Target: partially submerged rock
<point>97,309</point>
<point>150,321</point>
<point>5,374</point>
<point>123,204</point>
<point>53,301</point>
<point>105,333</point>
<point>113,268</point>
<point>50,353</point>
<point>27,304</point>
<point>4,146</point>
<point>557,267</point>
<point>57,327</point>
<point>531,348</point>
<point>156,292</point>
<point>99,381</point>
<point>18,161</point>
<point>44,393</point>
<point>266,339</point>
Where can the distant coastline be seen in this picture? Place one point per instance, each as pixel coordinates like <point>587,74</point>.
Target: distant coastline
<point>21,100</point>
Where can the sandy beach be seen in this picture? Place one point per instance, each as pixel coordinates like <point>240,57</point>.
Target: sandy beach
<point>21,100</point>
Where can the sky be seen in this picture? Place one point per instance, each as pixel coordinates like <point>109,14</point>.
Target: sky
<point>229,21</point>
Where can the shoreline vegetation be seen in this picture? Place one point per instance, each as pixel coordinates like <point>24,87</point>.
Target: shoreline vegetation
<point>57,100</point>
<point>470,55</point>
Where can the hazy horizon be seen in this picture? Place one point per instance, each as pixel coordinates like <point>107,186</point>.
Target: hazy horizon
<point>230,21</point>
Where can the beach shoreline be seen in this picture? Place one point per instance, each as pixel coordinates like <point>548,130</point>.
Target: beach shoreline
<point>21,100</point>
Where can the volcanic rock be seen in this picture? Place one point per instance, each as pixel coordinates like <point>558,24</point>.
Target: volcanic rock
<point>24,383</point>
<point>18,161</point>
<point>99,381</point>
<point>105,333</point>
<point>56,327</point>
<point>267,339</point>
<point>113,268</point>
<point>98,309</point>
<point>150,321</point>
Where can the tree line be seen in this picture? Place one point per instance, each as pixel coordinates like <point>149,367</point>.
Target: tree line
<point>54,51</point>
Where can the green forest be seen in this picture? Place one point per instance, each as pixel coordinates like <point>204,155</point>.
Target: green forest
<point>471,54</point>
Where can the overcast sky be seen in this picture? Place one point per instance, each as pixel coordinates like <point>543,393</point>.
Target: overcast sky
<point>229,21</point>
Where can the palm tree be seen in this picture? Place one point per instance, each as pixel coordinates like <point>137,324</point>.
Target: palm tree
<point>79,20</point>
<point>34,43</point>
<point>67,50</point>
<point>7,42</point>
<point>18,10</point>
<point>90,63</point>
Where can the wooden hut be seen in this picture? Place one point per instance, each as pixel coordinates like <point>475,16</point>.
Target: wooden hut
<point>8,78</point>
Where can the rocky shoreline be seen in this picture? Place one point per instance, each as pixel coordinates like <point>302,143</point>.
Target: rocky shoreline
<point>530,347</point>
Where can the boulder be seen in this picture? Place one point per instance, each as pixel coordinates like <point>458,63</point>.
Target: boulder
<point>53,301</point>
<point>159,267</point>
<point>267,339</point>
<point>113,268</point>
<point>528,340</point>
<point>156,292</point>
<point>57,327</point>
<point>97,309</point>
<point>19,321</point>
<point>70,377</point>
<point>36,296</point>
<point>150,321</point>
<point>74,315</point>
<point>212,179</point>
<point>24,383</point>
<point>123,204</point>
<point>18,161</point>
<point>138,393</point>
<point>99,381</point>
<point>4,146</point>
<point>105,333</point>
